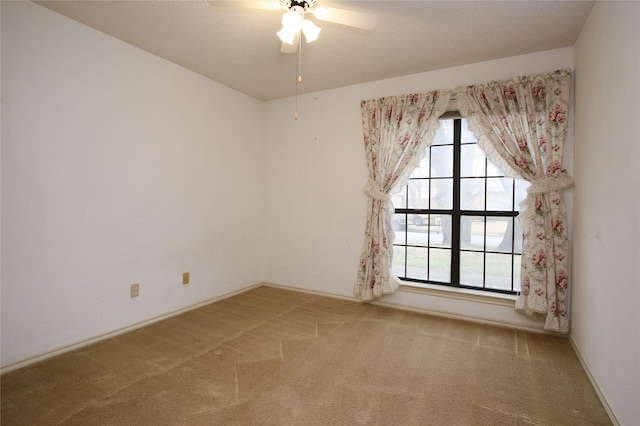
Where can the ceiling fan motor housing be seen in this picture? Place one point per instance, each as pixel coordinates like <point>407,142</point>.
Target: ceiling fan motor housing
<point>299,6</point>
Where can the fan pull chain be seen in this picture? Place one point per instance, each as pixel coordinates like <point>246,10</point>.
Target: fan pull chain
<point>298,72</point>
<point>300,60</point>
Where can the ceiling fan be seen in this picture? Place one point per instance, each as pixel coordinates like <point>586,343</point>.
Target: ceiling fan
<point>294,21</point>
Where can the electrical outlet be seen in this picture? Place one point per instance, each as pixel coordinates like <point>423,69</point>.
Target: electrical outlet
<point>135,290</point>
<point>185,278</point>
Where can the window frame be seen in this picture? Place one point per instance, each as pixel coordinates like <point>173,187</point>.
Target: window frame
<point>456,222</point>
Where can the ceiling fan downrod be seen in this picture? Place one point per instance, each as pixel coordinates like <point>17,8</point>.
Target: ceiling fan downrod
<point>299,6</point>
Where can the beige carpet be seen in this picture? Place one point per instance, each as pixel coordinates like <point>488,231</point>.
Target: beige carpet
<point>276,357</point>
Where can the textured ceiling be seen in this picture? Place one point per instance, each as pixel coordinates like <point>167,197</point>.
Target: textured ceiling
<point>237,46</point>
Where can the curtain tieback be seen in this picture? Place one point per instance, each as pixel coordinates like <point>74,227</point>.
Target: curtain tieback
<point>548,183</point>
<point>555,182</point>
<point>373,190</point>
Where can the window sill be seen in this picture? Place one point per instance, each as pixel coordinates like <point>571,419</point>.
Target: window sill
<point>459,293</point>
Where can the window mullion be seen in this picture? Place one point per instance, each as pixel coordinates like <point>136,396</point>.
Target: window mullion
<point>513,233</point>
<point>455,217</point>
<point>484,223</point>
<point>406,228</point>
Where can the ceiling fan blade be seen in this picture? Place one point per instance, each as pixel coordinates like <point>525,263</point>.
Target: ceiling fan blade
<point>264,5</point>
<point>365,21</point>
<point>291,48</point>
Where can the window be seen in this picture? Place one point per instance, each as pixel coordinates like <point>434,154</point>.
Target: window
<point>455,221</point>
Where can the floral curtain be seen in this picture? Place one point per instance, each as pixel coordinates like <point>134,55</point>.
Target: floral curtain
<point>396,131</point>
<point>521,124</point>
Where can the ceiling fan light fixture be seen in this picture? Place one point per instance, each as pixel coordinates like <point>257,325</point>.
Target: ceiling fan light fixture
<point>310,30</point>
<point>286,35</point>
<point>291,24</point>
<point>292,19</point>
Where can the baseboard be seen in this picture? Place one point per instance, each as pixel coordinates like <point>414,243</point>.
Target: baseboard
<point>518,326</point>
<point>86,342</point>
<point>312,292</point>
<point>599,392</point>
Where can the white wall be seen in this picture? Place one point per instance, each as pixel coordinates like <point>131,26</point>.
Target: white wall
<point>117,167</point>
<point>316,172</point>
<point>606,260</point>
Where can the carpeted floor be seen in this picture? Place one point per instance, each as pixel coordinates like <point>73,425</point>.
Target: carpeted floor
<point>276,357</point>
